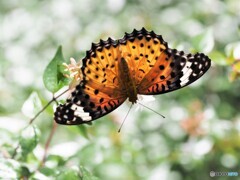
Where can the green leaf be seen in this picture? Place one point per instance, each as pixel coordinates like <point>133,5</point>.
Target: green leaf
<point>32,105</point>
<point>75,173</point>
<point>29,139</point>
<point>46,171</point>
<point>9,169</point>
<point>86,175</point>
<point>218,58</point>
<point>52,162</point>
<point>70,174</point>
<point>25,171</point>
<point>233,50</point>
<point>83,131</point>
<point>204,42</point>
<point>39,175</point>
<point>53,76</point>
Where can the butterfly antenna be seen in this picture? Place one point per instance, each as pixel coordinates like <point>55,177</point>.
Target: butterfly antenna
<point>152,110</point>
<point>119,130</point>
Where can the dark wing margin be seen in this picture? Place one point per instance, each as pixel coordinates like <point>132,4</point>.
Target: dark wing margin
<point>174,70</point>
<point>99,93</point>
<point>156,69</point>
<point>84,107</point>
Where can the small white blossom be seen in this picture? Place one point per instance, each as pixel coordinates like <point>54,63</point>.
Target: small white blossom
<point>74,69</point>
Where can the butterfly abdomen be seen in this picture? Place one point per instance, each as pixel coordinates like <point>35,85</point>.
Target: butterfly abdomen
<point>126,80</point>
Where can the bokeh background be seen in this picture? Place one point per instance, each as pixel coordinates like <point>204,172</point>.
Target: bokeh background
<point>201,131</point>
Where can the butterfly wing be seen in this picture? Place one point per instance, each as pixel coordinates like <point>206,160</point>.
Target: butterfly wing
<point>99,92</point>
<point>141,50</point>
<point>157,69</point>
<point>174,70</point>
<point>154,69</point>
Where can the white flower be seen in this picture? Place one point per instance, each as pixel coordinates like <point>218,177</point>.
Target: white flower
<point>74,69</point>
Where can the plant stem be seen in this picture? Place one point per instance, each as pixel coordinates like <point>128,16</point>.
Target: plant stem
<point>35,117</point>
<point>48,143</point>
<point>53,99</point>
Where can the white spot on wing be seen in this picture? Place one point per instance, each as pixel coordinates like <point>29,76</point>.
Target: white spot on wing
<point>186,73</point>
<point>79,112</point>
<point>77,108</point>
<point>88,118</point>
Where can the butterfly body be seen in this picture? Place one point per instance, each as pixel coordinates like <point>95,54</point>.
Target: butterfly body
<point>114,70</point>
<point>126,81</point>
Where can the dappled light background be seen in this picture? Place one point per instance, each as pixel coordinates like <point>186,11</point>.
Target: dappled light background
<point>201,130</point>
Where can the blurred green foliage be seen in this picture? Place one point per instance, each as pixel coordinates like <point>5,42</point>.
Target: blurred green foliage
<point>53,76</point>
<point>200,132</point>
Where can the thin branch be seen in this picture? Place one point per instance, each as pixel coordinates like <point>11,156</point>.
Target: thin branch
<point>48,143</point>
<point>45,107</point>
<point>35,117</point>
<point>15,151</point>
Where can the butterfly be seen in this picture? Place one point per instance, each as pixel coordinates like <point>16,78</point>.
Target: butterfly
<point>115,70</point>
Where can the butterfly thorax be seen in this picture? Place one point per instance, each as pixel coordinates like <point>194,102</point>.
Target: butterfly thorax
<point>126,81</point>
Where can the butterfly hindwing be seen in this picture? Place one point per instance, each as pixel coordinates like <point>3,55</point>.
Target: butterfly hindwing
<point>85,105</point>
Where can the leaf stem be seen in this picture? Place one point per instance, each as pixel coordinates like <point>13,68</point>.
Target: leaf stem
<point>45,107</point>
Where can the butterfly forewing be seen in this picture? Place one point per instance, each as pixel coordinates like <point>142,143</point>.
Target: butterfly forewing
<point>141,49</point>
<point>173,71</point>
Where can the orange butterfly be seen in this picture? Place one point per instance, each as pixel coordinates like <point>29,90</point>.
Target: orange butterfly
<point>114,70</point>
